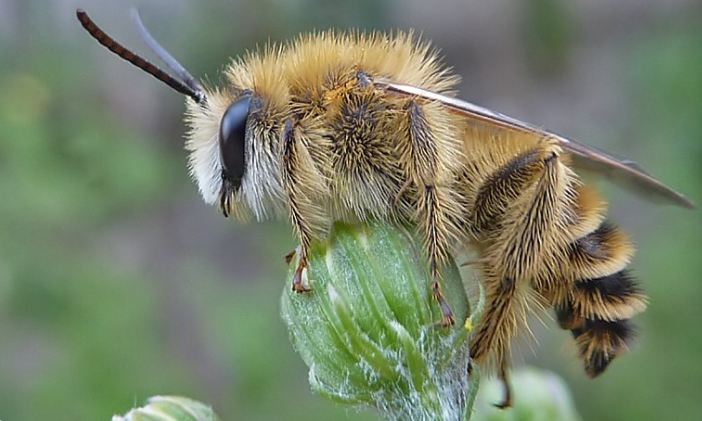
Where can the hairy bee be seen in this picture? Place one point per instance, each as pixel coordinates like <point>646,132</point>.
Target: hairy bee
<point>351,126</point>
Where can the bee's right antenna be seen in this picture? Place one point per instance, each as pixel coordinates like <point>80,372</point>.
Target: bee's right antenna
<point>186,84</point>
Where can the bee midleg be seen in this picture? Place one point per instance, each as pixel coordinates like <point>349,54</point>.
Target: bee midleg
<point>292,174</point>
<point>433,197</point>
<point>430,206</point>
<point>514,213</point>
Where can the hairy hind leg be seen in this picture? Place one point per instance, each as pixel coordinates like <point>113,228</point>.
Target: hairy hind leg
<point>515,212</point>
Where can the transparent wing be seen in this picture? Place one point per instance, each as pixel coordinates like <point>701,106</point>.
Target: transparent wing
<point>620,170</point>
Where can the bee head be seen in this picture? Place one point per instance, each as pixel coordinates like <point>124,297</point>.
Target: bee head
<point>220,139</point>
<point>228,159</point>
<point>217,142</point>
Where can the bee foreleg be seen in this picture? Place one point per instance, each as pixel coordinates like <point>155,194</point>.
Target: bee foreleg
<point>290,256</point>
<point>300,283</point>
<point>292,172</point>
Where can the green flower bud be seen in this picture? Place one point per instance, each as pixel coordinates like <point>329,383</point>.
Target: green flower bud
<point>170,408</point>
<point>537,394</point>
<point>368,330</point>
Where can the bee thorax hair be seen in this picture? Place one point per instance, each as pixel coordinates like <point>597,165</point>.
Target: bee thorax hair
<point>345,156</point>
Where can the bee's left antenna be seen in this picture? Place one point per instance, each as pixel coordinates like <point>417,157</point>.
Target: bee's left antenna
<point>187,86</point>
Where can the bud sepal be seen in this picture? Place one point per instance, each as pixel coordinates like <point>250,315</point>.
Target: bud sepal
<point>368,329</point>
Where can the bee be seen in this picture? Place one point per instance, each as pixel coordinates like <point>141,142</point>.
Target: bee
<point>354,126</point>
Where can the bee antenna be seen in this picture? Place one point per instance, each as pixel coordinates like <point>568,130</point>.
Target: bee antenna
<point>186,85</point>
<point>165,56</point>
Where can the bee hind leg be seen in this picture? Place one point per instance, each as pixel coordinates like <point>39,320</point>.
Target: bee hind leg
<point>504,379</point>
<point>518,203</point>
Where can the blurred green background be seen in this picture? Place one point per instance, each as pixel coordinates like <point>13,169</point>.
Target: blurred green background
<point>117,282</point>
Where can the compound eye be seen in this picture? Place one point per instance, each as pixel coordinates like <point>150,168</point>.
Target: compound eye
<point>232,135</point>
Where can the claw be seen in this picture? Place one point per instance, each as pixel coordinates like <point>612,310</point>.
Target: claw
<point>507,401</point>
<point>289,257</point>
<point>448,319</point>
<point>300,281</point>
